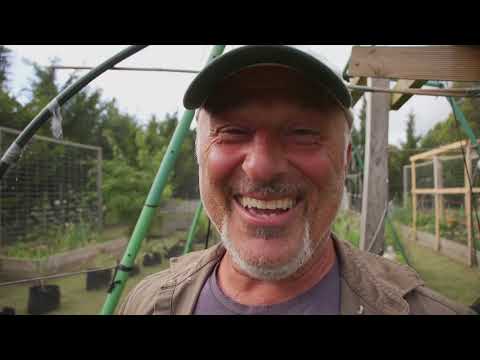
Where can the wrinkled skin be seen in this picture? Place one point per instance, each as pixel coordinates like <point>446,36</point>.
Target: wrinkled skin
<point>266,137</point>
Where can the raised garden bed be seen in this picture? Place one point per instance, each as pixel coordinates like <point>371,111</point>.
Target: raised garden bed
<point>78,259</point>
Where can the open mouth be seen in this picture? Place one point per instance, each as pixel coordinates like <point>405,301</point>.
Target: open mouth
<point>267,212</point>
<point>266,206</point>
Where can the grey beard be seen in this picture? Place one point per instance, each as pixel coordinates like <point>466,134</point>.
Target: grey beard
<point>263,271</point>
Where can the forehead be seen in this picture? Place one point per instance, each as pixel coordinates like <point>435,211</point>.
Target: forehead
<point>268,83</point>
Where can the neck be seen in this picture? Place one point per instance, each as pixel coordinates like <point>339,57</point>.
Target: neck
<point>248,291</point>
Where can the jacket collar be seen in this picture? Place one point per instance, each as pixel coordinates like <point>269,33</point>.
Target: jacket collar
<point>370,284</point>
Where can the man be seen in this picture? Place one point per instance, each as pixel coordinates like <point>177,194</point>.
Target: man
<point>273,151</point>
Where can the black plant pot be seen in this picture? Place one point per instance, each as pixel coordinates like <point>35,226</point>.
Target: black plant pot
<point>42,300</point>
<point>476,306</point>
<point>135,271</point>
<point>98,279</point>
<point>151,259</point>
<point>175,250</point>
<point>7,311</point>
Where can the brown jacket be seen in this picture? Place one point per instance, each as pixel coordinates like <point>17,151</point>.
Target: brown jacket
<point>370,285</point>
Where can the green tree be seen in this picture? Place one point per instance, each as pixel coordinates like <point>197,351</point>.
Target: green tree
<point>395,172</point>
<point>412,140</point>
<point>127,183</point>
<point>119,129</point>
<point>363,122</point>
<point>398,157</point>
<point>449,130</point>
<point>358,135</point>
<point>11,111</point>
<point>4,65</point>
<point>184,178</point>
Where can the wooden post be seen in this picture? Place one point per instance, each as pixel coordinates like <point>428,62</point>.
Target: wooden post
<point>414,201</point>
<point>437,176</point>
<point>405,185</point>
<point>472,258</point>
<point>375,185</point>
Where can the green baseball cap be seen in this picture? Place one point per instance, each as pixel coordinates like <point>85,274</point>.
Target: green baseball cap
<point>303,60</point>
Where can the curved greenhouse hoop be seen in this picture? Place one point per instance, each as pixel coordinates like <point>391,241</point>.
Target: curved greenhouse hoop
<point>153,199</point>
<point>15,149</point>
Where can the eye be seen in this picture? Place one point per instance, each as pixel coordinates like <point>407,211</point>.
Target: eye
<point>234,131</point>
<point>304,136</point>
<point>230,134</point>
<point>305,131</point>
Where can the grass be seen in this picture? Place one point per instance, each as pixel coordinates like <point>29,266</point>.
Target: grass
<point>75,300</point>
<point>450,278</point>
<point>70,237</point>
<point>442,274</point>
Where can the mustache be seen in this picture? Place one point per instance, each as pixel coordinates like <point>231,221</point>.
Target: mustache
<point>274,187</point>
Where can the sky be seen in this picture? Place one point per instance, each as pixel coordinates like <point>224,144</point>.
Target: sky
<point>145,93</point>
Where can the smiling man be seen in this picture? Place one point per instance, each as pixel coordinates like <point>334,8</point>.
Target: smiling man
<point>273,148</point>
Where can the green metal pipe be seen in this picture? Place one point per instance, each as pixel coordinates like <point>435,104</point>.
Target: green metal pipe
<point>153,199</point>
<point>193,228</point>
<point>463,122</point>
<point>397,241</point>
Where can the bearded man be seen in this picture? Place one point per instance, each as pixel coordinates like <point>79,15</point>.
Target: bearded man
<point>273,148</point>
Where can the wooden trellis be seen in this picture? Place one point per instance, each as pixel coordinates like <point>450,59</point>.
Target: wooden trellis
<point>438,191</point>
<point>412,67</point>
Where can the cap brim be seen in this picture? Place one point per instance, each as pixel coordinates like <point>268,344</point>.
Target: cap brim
<point>233,61</point>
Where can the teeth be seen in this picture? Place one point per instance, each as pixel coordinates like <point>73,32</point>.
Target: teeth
<point>283,204</point>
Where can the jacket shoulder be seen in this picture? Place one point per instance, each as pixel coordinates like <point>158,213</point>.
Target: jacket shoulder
<point>145,298</point>
<point>421,299</point>
<point>141,299</point>
<point>425,301</point>
<point>406,283</point>
<point>382,271</point>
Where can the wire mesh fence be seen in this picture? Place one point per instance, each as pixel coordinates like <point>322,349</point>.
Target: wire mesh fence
<point>53,184</point>
<point>353,191</point>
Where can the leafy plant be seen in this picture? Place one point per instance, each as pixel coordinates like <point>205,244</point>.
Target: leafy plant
<point>58,239</point>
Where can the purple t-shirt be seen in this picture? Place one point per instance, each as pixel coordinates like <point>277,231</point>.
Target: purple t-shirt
<point>321,299</point>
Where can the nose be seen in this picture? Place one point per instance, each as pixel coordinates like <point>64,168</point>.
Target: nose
<point>265,159</point>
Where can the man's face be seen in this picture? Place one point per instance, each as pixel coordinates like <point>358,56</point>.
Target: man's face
<point>272,164</point>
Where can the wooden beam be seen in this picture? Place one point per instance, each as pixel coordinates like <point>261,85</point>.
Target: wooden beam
<point>447,191</point>
<point>439,150</point>
<point>375,187</point>
<point>356,94</point>
<point>453,63</point>
<point>399,99</point>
